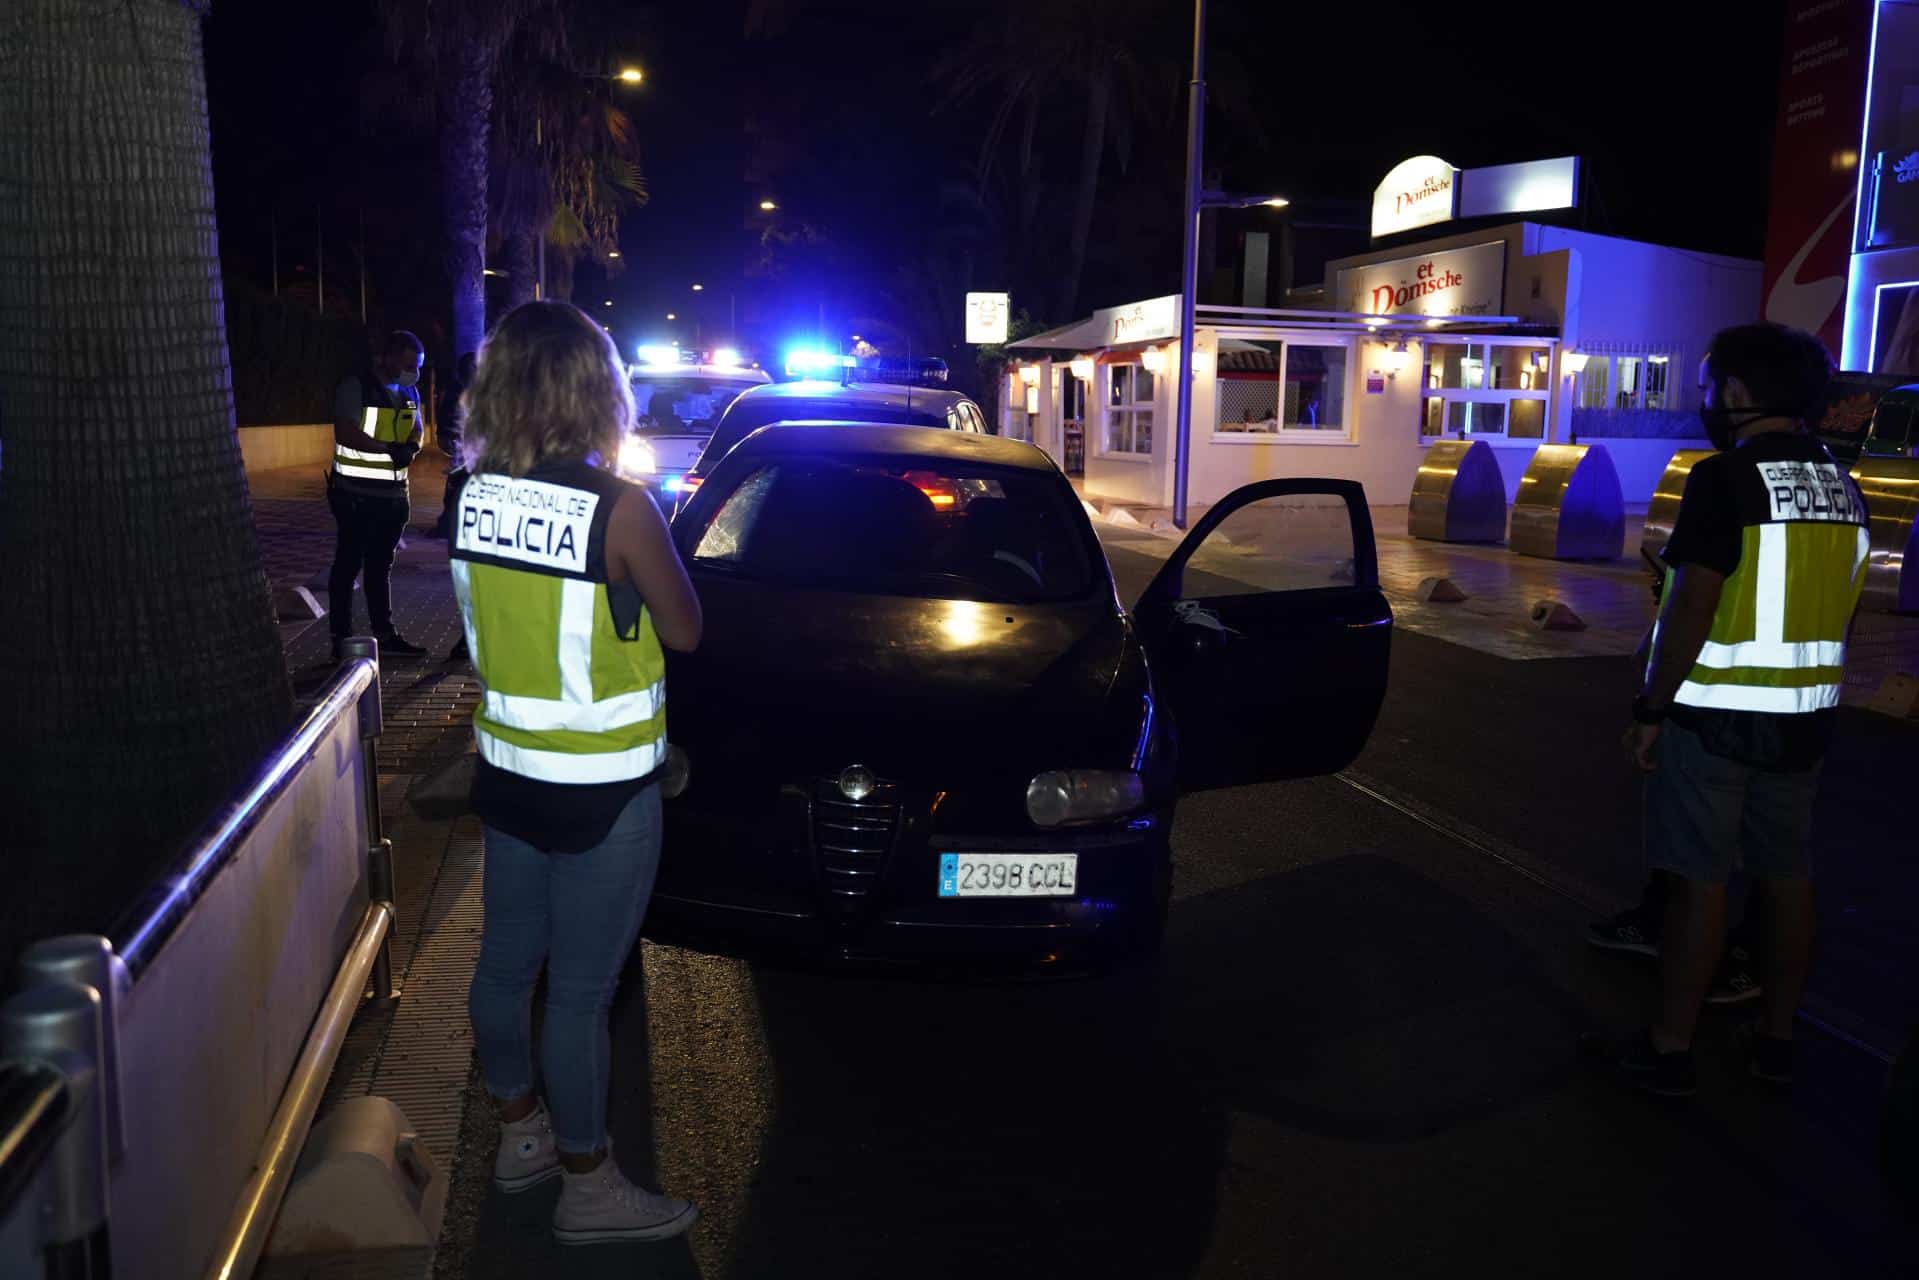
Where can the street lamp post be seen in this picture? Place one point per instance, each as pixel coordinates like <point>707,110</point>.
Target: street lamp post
<point>1189,266</point>
<point>1197,200</point>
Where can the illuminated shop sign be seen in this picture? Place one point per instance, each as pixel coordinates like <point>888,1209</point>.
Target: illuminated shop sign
<point>1416,193</point>
<point>1455,282</point>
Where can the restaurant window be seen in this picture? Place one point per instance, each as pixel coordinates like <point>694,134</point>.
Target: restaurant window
<point>1273,389</point>
<point>1129,410</point>
<point>1486,388</point>
<point>1626,382</point>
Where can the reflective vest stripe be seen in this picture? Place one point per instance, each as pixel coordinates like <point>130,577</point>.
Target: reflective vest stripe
<point>359,472</point>
<point>361,455</point>
<point>578,600</point>
<point>1773,653</point>
<point>378,467</point>
<point>514,711</point>
<point>567,766</point>
<point>1784,700</point>
<point>1769,586</point>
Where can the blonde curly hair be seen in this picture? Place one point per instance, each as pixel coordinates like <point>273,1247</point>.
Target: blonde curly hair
<point>550,388</point>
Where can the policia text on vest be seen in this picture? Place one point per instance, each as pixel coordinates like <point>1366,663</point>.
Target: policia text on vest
<point>572,671</point>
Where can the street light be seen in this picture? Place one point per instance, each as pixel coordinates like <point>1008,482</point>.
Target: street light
<point>698,287</point>
<point>767,206</point>
<point>607,303</point>
<point>631,75</point>
<point>612,253</point>
<point>1197,199</point>
<point>671,316</point>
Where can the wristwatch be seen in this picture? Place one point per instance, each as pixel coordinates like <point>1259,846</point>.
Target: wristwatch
<point>1644,712</point>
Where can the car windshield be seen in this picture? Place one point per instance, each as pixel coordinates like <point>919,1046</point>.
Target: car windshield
<point>681,405</point>
<point>906,527</point>
<point>751,414</point>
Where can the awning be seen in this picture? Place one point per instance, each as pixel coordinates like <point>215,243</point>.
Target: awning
<point>1082,335</point>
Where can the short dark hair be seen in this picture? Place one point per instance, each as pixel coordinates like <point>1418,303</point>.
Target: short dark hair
<point>1785,369</point>
<point>403,340</point>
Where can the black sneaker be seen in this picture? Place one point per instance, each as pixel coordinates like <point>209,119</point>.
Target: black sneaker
<point>1636,931</point>
<point>1735,983</point>
<point>392,642</point>
<point>1669,1075</point>
<point>1768,1058</point>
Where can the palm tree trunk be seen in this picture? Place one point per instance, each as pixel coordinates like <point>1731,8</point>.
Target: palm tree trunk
<point>141,676</point>
<point>466,105</point>
<point>522,266</point>
<point>1092,147</point>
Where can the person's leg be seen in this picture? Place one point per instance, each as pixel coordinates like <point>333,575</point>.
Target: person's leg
<point>513,945</point>
<point>1776,838</point>
<point>386,520</point>
<point>1694,802</point>
<point>1693,939</point>
<point>1793,918</point>
<point>599,899</point>
<point>349,549</point>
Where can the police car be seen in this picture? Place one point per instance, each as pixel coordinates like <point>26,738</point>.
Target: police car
<point>845,389</point>
<point>678,398</point>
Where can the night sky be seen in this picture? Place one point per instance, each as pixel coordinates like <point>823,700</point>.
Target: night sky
<point>838,113</point>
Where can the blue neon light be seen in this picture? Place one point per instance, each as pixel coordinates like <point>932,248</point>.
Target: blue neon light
<point>807,363</point>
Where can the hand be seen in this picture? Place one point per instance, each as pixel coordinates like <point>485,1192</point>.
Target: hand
<point>1641,741</point>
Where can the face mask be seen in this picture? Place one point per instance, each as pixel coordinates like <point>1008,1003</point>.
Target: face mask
<point>411,378</point>
<point>1722,424</point>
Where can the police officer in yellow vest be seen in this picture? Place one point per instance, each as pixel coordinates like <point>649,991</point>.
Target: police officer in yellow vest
<point>1735,707</point>
<point>569,584</point>
<point>377,430</point>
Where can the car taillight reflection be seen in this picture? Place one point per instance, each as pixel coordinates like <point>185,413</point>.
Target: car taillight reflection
<point>938,489</point>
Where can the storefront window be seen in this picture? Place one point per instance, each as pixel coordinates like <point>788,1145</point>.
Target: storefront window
<point>1486,387</point>
<point>1278,388</point>
<point>1129,409</point>
<point>1626,382</point>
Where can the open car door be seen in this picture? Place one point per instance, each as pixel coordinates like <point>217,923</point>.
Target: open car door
<point>1268,634</point>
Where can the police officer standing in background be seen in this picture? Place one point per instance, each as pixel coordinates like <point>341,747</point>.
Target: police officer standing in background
<point>377,430</point>
<point>1735,709</point>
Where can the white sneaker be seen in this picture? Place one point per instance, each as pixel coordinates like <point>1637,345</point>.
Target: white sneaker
<point>603,1206</point>
<point>527,1156</point>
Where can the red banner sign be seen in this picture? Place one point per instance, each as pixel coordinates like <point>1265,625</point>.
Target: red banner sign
<point>1815,164</point>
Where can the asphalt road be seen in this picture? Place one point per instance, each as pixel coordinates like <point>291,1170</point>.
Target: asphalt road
<point>1355,1058</point>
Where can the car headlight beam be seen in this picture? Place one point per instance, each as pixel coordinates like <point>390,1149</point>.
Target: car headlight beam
<point>1063,797</point>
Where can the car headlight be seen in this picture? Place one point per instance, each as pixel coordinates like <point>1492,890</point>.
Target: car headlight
<point>636,458</point>
<point>1059,797</point>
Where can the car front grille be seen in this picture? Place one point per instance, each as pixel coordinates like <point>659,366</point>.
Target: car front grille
<point>851,838</point>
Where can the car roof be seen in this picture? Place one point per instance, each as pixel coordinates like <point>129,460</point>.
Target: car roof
<point>840,438</point>
<point>891,395</point>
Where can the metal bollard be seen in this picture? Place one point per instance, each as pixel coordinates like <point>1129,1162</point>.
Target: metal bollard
<point>59,1023</point>
<point>87,960</point>
<point>379,871</point>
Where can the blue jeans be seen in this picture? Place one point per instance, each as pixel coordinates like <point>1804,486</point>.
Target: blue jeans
<point>578,913</point>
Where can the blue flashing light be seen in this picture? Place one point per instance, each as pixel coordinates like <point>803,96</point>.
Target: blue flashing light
<point>654,356</point>
<point>727,358</point>
<point>807,363</point>
<point>673,484</point>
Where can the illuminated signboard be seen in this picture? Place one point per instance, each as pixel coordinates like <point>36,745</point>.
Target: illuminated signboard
<point>986,317</point>
<point>1519,188</point>
<point>1456,282</point>
<point>1416,193</point>
<point>1147,321</point>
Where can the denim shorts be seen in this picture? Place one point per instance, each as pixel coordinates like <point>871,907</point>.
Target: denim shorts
<point>1706,814</point>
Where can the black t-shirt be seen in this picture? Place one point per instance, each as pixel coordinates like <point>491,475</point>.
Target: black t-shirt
<point>1724,494</point>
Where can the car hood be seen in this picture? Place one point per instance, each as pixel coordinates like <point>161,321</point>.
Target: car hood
<point>804,683</point>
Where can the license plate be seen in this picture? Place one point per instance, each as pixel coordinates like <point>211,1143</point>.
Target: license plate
<point>1008,875</point>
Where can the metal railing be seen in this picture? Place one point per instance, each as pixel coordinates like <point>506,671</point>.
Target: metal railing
<point>83,1029</point>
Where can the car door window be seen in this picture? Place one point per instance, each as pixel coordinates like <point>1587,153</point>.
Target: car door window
<point>1269,636</point>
